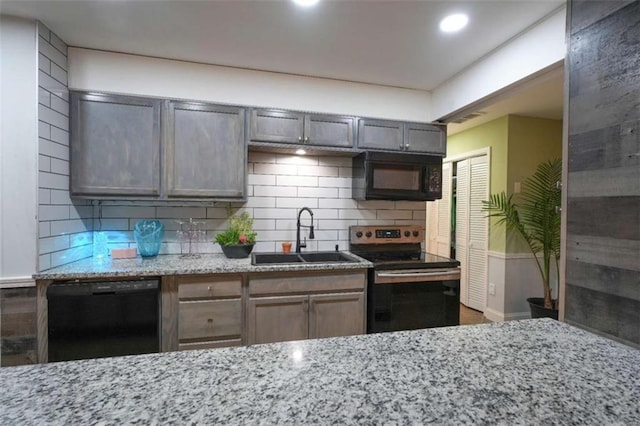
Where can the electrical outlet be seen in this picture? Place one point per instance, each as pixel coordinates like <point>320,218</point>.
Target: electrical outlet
<point>492,289</point>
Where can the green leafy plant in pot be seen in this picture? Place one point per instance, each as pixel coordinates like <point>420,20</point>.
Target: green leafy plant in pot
<point>238,240</point>
<point>536,218</point>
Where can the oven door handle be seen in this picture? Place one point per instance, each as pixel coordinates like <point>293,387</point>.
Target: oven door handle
<point>447,272</point>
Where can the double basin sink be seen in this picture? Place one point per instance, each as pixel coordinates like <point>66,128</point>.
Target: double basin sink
<point>310,257</point>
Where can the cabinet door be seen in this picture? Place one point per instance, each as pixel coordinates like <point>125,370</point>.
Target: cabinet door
<point>329,130</point>
<point>115,145</point>
<point>278,319</point>
<point>336,315</point>
<point>381,134</point>
<point>205,152</point>
<point>276,126</point>
<point>425,138</point>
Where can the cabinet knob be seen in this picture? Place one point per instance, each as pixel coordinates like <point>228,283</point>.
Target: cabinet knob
<point>299,138</point>
<point>401,145</point>
<point>306,140</point>
<point>407,146</point>
<point>209,288</point>
<point>210,320</point>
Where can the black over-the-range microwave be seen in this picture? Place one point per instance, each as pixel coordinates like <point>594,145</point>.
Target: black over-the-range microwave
<point>397,176</point>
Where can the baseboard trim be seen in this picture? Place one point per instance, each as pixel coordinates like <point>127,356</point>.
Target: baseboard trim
<point>497,316</point>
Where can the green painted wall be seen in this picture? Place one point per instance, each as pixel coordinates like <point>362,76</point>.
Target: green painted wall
<point>494,134</point>
<point>518,144</point>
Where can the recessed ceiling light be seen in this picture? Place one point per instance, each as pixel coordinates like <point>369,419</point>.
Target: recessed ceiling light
<point>453,23</point>
<point>305,3</point>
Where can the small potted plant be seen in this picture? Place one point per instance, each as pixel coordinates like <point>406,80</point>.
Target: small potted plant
<point>537,220</point>
<point>238,240</point>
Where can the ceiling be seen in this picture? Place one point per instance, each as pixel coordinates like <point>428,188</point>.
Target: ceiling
<point>392,43</point>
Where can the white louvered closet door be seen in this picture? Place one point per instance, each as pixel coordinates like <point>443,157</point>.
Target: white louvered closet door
<point>478,233</point>
<point>472,230</point>
<point>462,227</point>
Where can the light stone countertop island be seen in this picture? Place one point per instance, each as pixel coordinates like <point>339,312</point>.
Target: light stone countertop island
<point>520,372</point>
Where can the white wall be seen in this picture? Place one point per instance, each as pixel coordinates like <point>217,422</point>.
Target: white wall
<point>131,74</point>
<point>18,149</point>
<point>541,47</point>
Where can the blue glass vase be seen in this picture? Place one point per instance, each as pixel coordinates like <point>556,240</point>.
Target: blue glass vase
<point>148,235</point>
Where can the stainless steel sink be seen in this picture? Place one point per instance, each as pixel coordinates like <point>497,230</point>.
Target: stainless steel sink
<point>310,257</point>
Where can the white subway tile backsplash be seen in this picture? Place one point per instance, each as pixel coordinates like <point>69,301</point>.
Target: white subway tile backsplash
<point>80,212</point>
<point>51,244</point>
<point>71,255</point>
<point>52,53</point>
<point>58,43</point>
<point>260,213</point>
<point>337,203</point>
<point>336,224</point>
<point>43,32</point>
<point>61,227</point>
<point>357,214</point>
<point>46,212</point>
<point>299,160</point>
<point>44,262</point>
<point>44,163</point>
<point>325,214</point>
<point>53,181</point>
<point>44,229</point>
<point>44,130</point>
<point>265,246</point>
<point>344,192</point>
<point>178,212</point>
<point>318,192</point>
<point>411,205</point>
<point>317,171</point>
<point>52,149</point>
<point>420,214</point>
<point>60,105</point>
<point>323,235</point>
<point>44,196</point>
<point>264,224</point>
<point>275,169</point>
<point>60,196</point>
<point>256,179</point>
<point>375,222</point>
<point>345,172</point>
<point>52,117</point>
<point>286,223</point>
<point>44,97</point>
<point>395,214</point>
<point>331,245</point>
<point>377,204</point>
<point>217,213</point>
<point>336,182</point>
<point>112,224</point>
<point>275,191</point>
<point>60,167</point>
<point>261,202</point>
<point>297,181</point>
<point>297,202</point>
<point>51,84</point>
<point>58,135</point>
<point>58,73</point>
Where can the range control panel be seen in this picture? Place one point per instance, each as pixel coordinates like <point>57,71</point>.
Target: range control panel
<point>393,234</point>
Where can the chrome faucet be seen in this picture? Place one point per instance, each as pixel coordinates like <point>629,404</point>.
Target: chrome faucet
<point>298,226</point>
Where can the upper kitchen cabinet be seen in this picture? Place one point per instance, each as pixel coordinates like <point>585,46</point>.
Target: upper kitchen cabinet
<point>115,146</point>
<point>287,127</point>
<point>387,135</point>
<point>205,151</point>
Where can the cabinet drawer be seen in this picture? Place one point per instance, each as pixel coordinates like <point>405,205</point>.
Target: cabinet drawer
<point>209,345</point>
<point>209,319</point>
<point>208,288</point>
<point>279,284</point>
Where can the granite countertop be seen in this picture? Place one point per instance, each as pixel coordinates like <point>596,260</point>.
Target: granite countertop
<point>519,372</point>
<point>178,265</point>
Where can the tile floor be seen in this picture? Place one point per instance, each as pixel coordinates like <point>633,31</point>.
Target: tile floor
<point>471,316</point>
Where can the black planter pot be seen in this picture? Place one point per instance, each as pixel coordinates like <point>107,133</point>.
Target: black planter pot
<point>536,304</point>
<point>237,251</point>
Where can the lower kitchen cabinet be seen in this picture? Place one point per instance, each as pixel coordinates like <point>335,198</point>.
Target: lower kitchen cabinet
<point>303,306</point>
<point>209,311</point>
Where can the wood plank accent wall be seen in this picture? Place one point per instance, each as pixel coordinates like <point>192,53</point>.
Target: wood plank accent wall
<point>602,290</point>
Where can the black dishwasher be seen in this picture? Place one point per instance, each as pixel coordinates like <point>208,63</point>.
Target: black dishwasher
<point>103,319</point>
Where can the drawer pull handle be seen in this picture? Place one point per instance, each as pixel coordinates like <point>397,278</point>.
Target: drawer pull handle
<point>210,320</point>
<point>209,288</point>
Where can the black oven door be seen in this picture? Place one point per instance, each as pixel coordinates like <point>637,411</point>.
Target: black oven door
<point>411,305</point>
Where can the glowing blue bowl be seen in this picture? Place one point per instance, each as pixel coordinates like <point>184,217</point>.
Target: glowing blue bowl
<point>148,235</point>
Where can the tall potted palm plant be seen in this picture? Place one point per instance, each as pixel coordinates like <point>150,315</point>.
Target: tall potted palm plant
<point>536,218</point>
